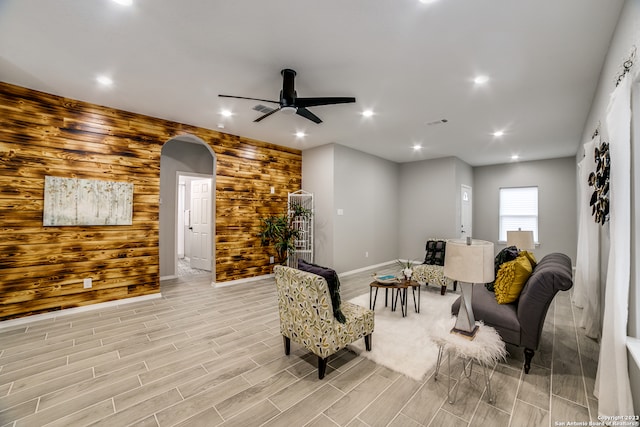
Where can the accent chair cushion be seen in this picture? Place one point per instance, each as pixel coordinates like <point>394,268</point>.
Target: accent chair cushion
<point>435,252</point>
<point>332,282</point>
<point>511,278</point>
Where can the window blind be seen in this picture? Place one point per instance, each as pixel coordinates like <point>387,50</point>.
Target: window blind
<point>518,210</point>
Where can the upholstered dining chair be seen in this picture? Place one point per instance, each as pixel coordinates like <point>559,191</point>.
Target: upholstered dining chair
<point>306,316</point>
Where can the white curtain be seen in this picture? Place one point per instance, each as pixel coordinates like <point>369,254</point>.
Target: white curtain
<point>586,288</point>
<point>612,386</point>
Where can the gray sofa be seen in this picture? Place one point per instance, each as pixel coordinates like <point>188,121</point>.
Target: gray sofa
<point>520,323</point>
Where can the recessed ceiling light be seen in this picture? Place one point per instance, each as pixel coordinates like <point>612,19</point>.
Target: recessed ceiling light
<point>226,113</point>
<point>220,126</point>
<point>367,113</point>
<point>515,157</point>
<point>480,80</point>
<point>428,1</point>
<point>498,133</point>
<point>124,2</point>
<point>104,80</point>
<point>300,134</point>
<point>417,147</point>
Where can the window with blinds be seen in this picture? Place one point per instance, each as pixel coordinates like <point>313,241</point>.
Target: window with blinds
<point>518,210</point>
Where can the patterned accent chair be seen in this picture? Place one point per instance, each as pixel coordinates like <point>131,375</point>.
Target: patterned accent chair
<point>432,271</point>
<point>306,316</point>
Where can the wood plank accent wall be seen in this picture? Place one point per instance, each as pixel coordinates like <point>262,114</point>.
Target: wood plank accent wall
<point>42,268</point>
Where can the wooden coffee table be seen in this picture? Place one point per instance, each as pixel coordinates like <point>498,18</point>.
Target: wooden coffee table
<point>398,289</point>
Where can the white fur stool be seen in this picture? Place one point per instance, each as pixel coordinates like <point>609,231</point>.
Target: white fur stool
<point>486,349</point>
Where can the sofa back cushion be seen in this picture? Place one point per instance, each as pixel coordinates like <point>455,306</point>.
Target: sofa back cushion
<point>435,252</point>
<point>333,282</point>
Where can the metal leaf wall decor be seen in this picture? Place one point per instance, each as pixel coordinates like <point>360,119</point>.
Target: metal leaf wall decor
<point>599,180</point>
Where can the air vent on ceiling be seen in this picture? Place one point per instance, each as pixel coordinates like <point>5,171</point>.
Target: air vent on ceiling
<point>437,122</point>
<point>263,109</point>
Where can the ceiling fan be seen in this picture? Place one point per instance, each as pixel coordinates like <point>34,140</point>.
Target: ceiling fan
<point>290,103</point>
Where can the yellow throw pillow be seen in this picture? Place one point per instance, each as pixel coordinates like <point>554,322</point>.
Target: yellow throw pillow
<point>530,257</point>
<point>511,279</point>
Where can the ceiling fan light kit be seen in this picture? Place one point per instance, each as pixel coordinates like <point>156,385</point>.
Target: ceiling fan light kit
<point>288,110</point>
<point>289,102</point>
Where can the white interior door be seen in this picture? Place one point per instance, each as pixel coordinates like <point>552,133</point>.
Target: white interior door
<point>201,224</point>
<point>466,218</point>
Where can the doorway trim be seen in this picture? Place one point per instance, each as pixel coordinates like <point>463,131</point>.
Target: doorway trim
<point>164,255</point>
<point>211,222</point>
<point>466,211</point>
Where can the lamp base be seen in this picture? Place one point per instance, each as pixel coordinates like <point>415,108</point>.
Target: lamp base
<point>468,335</point>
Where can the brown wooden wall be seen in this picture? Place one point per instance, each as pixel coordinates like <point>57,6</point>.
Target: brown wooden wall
<point>42,268</point>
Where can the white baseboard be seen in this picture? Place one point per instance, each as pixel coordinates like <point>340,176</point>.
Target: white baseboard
<point>267,276</point>
<point>360,270</point>
<point>74,310</point>
<point>241,281</point>
<point>173,276</point>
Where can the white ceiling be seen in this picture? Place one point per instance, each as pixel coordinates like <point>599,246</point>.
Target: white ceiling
<point>412,63</point>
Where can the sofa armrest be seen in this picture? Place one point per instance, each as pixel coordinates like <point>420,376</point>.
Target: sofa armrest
<point>551,274</point>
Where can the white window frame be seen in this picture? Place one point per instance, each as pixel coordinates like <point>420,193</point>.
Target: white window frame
<point>518,209</point>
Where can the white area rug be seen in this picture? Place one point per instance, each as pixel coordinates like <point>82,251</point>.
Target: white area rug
<point>403,344</point>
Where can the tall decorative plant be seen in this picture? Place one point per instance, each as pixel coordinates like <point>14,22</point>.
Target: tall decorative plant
<point>280,231</point>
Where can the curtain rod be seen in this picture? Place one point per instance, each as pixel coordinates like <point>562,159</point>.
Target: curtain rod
<point>597,131</point>
<point>626,65</point>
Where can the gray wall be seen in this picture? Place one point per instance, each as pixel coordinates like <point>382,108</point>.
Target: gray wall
<point>430,202</point>
<point>389,210</point>
<point>626,35</point>
<point>317,178</point>
<point>555,179</point>
<point>365,188</point>
<point>177,156</point>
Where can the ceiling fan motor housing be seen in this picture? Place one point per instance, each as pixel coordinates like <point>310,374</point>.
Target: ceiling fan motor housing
<point>288,93</point>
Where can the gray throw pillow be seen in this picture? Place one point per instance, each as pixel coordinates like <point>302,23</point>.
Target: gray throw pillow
<point>332,281</point>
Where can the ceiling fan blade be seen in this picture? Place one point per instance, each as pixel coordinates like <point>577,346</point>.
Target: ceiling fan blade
<point>308,115</point>
<point>312,102</point>
<point>252,99</point>
<point>266,115</point>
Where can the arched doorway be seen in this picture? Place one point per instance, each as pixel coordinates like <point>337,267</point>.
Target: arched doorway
<point>184,156</point>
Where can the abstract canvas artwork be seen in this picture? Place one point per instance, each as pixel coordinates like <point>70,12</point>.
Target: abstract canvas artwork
<point>72,201</point>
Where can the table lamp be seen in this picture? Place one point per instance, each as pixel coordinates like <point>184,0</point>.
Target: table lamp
<point>521,239</point>
<point>468,262</point>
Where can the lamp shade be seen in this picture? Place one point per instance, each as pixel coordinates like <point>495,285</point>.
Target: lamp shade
<point>470,263</point>
<point>521,239</point>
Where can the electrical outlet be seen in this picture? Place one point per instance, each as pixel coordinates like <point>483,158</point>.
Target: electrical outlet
<point>271,260</point>
<point>88,283</point>
<point>273,190</point>
<point>366,254</point>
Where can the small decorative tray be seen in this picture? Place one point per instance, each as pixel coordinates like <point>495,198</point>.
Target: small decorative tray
<point>387,279</point>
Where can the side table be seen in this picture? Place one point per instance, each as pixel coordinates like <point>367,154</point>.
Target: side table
<point>486,349</point>
<point>398,289</point>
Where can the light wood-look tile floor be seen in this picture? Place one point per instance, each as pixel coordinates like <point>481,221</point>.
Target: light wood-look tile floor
<point>205,356</point>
